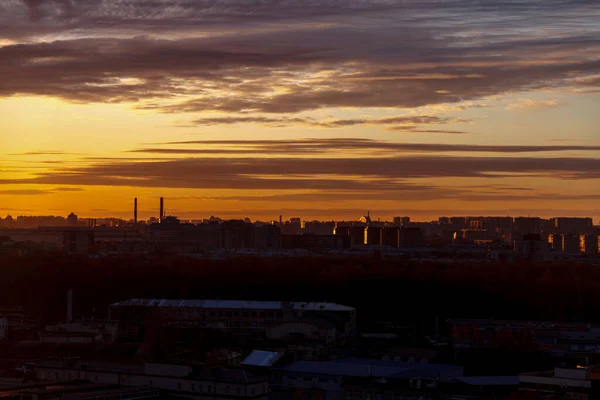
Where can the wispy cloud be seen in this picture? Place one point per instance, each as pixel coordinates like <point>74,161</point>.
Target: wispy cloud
<point>283,58</point>
<point>333,145</point>
<point>275,173</point>
<point>530,104</point>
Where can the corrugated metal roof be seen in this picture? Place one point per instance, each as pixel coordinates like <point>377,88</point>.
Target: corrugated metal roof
<point>231,304</point>
<point>357,370</point>
<point>262,358</point>
<point>490,380</point>
<point>399,364</point>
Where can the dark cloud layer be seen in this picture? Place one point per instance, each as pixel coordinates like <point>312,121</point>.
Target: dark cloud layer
<point>286,56</point>
<point>312,146</point>
<point>312,173</point>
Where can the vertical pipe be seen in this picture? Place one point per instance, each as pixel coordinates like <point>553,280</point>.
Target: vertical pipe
<point>162,209</point>
<point>70,306</point>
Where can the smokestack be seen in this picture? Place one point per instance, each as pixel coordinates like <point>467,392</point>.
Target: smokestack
<point>162,209</point>
<point>70,306</point>
<point>135,210</point>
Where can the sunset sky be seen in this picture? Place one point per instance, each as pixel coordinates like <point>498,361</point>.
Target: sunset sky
<point>307,108</point>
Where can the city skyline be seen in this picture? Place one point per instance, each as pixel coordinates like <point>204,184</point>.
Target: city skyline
<point>135,216</point>
<point>419,108</point>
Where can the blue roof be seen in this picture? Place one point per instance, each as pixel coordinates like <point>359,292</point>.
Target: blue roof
<point>399,364</point>
<point>490,380</point>
<point>262,358</point>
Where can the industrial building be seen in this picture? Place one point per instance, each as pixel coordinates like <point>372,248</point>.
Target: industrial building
<point>335,378</point>
<point>572,383</point>
<point>251,317</point>
<point>169,379</point>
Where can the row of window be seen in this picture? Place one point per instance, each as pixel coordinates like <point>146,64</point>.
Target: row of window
<point>138,395</point>
<point>360,395</point>
<point>313,380</point>
<point>209,389</point>
<point>193,387</point>
<point>230,314</point>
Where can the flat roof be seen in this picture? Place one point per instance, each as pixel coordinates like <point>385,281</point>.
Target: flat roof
<point>231,304</point>
<point>261,358</point>
<point>224,375</point>
<point>122,390</point>
<point>489,380</point>
<point>398,364</point>
<point>376,368</point>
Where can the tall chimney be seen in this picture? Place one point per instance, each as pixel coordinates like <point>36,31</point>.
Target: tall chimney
<point>135,210</point>
<point>162,209</point>
<point>70,306</point>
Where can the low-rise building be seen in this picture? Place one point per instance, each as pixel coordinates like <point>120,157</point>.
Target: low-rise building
<point>244,317</point>
<point>575,383</point>
<point>175,379</point>
<point>337,380</point>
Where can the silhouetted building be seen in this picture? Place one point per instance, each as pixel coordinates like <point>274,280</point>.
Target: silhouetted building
<point>342,230</point>
<point>573,226</point>
<point>590,244</point>
<point>294,225</point>
<point>237,234</point>
<point>555,242</point>
<point>78,241</point>
<point>315,242</point>
<point>267,237</point>
<point>72,219</point>
<point>254,317</point>
<point>374,235</point>
<point>358,235</point>
<point>403,221</point>
<point>570,244</point>
<point>391,236</point>
<point>411,237</point>
<point>531,247</point>
<point>528,225</point>
<point>319,228</point>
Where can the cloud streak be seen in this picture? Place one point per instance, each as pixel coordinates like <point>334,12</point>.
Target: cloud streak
<point>284,58</point>
<point>381,173</point>
<point>331,145</point>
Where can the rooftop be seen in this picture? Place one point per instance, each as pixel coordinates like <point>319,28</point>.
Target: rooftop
<point>399,364</point>
<point>358,367</point>
<point>159,370</point>
<point>260,358</point>
<point>489,380</point>
<point>232,304</point>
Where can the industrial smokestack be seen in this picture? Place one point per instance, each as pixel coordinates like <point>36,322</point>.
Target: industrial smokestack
<point>162,209</point>
<point>70,306</point>
<point>135,210</point>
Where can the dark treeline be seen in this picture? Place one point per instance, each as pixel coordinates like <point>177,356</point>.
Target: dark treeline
<point>406,292</point>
